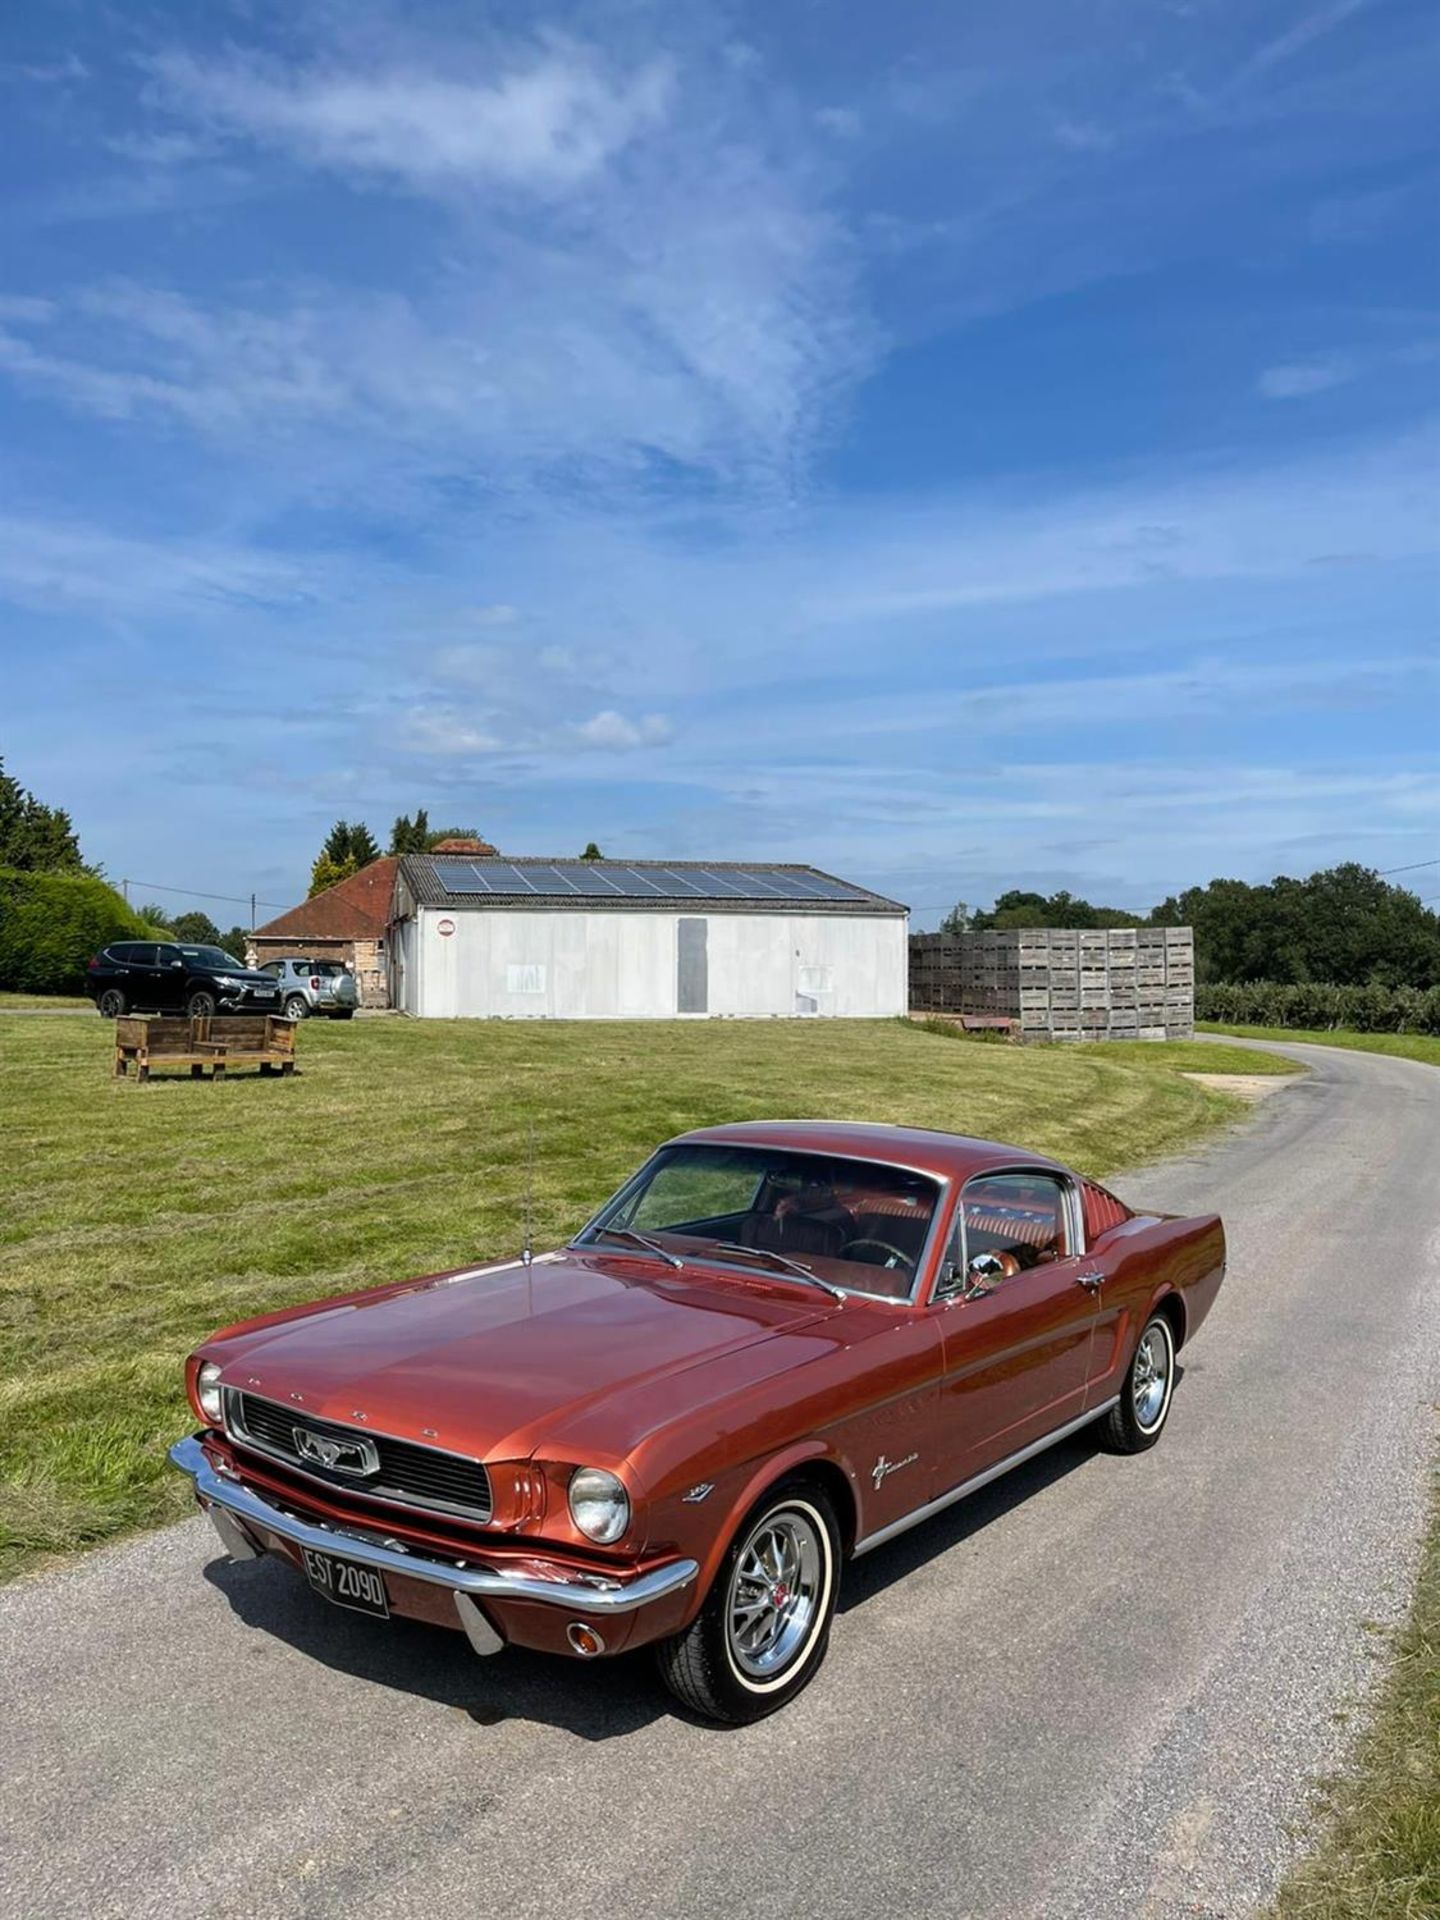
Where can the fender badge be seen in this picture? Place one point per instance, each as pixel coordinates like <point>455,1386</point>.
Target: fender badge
<point>884,1467</point>
<point>699,1493</point>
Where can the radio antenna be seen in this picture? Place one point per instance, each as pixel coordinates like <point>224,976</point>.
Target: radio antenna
<point>527,1252</point>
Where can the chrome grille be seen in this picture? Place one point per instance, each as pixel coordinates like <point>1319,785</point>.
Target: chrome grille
<point>409,1475</point>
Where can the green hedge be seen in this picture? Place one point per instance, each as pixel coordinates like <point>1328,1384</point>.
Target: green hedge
<point>51,923</point>
<point>1268,1003</point>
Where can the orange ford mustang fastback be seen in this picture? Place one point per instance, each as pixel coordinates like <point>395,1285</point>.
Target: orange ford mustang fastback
<point>777,1347</point>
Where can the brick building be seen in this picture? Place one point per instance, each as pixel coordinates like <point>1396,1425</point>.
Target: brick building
<point>347,922</point>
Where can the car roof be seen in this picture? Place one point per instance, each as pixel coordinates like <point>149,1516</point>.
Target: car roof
<point>947,1156</point>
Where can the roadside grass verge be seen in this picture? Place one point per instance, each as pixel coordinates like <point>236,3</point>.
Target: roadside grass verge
<point>1379,1857</point>
<point>1404,1046</point>
<point>136,1219</point>
<point>1378,1852</point>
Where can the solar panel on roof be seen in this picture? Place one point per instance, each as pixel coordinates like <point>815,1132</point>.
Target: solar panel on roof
<point>459,876</point>
<point>634,884</point>
<point>593,880</point>
<point>791,885</point>
<point>502,877</point>
<point>758,886</point>
<point>686,886</point>
<point>719,886</point>
<point>586,878</point>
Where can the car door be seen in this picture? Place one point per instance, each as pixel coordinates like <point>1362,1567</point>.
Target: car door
<point>169,979</point>
<point>1018,1321</point>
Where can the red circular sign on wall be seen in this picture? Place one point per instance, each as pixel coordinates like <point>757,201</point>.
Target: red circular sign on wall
<point>445,926</point>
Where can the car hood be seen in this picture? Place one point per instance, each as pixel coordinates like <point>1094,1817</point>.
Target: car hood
<point>498,1361</point>
<point>246,976</point>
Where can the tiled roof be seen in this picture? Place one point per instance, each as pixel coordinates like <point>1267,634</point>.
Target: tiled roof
<point>356,909</point>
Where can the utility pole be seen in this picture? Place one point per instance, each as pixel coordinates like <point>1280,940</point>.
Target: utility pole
<point>252,913</point>
<point>125,891</point>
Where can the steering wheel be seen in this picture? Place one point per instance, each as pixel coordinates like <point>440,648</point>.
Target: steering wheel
<point>847,1252</point>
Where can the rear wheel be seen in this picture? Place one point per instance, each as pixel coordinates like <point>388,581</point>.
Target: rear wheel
<point>765,1624</point>
<point>200,1005</point>
<point>344,1013</point>
<point>1138,1417</point>
<point>111,1003</point>
<point>296,1007</point>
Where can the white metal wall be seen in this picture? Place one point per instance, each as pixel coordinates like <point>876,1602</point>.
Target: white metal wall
<point>594,965</point>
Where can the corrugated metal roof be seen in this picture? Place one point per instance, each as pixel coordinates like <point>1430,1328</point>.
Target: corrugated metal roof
<point>634,885</point>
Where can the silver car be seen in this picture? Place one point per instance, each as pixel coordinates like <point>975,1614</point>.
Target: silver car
<point>314,986</point>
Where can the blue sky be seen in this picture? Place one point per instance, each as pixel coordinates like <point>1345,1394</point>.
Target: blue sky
<point>962,447</point>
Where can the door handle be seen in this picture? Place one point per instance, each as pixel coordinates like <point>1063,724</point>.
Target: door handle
<point>1092,1282</point>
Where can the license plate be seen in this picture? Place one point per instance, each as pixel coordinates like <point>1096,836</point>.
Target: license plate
<point>347,1584</point>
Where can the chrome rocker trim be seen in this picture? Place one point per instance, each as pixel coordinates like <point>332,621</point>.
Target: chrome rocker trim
<point>585,1594</point>
<point>973,1485</point>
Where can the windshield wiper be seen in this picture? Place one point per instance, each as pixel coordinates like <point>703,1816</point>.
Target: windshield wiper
<point>640,1240</point>
<point>784,1263</point>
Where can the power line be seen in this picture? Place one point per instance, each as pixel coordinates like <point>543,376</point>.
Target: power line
<point>194,893</point>
<point>1414,867</point>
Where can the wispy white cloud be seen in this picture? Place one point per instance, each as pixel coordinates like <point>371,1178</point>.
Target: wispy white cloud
<point>1296,379</point>
<point>57,565</point>
<point>1295,39</point>
<point>546,121</point>
<point>677,292</point>
<point>453,732</point>
<point>616,732</point>
<point>443,730</point>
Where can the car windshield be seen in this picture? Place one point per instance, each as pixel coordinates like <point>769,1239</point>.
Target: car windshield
<point>857,1224</point>
<point>214,958</point>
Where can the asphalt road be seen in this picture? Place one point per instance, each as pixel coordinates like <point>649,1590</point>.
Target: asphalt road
<point>1099,1688</point>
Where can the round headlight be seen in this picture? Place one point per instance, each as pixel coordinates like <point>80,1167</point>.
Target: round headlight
<point>207,1392</point>
<point>599,1504</point>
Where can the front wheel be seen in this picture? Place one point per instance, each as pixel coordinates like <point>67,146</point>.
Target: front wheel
<point>200,1006</point>
<point>111,1004</point>
<point>765,1624</point>
<point>1136,1420</point>
<point>296,1007</point>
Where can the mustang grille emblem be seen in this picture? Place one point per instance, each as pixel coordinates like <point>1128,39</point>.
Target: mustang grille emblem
<point>882,1467</point>
<point>358,1456</point>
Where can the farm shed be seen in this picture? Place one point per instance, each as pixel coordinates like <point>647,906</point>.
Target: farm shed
<point>347,922</point>
<point>639,940</point>
<point>1119,983</point>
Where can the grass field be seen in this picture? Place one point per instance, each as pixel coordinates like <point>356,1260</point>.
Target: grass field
<point>134,1220</point>
<point>1404,1046</point>
<point>50,1002</point>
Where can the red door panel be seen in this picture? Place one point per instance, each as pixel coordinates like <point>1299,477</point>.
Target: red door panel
<point>1016,1365</point>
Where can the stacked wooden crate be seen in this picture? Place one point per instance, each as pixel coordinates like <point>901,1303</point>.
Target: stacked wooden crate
<point>1122,983</point>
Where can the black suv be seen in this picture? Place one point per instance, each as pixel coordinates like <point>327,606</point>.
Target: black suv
<point>158,976</point>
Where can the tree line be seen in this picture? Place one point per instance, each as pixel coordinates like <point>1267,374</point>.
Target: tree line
<point>350,845</point>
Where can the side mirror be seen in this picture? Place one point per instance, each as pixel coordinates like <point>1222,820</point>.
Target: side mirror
<point>177,964</point>
<point>984,1274</point>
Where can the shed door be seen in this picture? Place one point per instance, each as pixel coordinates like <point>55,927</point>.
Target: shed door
<point>692,981</point>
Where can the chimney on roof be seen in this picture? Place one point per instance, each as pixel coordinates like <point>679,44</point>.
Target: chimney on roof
<point>459,845</point>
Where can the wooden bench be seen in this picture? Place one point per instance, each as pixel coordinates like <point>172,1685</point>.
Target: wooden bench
<point>216,1041</point>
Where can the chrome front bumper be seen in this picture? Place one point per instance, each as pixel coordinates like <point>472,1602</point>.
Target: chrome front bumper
<point>592,1595</point>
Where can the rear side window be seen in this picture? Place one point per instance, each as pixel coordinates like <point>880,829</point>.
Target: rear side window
<point>132,953</point>
<point>1102,1211</point>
